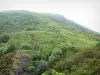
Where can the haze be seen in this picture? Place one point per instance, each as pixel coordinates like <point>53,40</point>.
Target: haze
<point>84,12</point>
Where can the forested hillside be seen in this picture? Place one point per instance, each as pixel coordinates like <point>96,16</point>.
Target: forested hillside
<point>46,44</point>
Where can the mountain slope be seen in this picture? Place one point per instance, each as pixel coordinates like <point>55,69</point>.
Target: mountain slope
<point>48,40</point>
<point>61,18</point>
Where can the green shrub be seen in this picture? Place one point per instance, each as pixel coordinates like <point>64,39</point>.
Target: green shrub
<point>72,48</point>
<point>28,29</point>
<point>31,68</point>
<point>42,66</point>
<point>52,59</point>
<point>64,49</point>
<point>56,73</point>
<point>37,67</point>
<point>6,63</point>
<point>36,56</point>
<point>3,50</point>
<point>53,72</point>
<point>57,52</point>
<point>98,44</point>
<point>11,48</point>
<point>26,46</point>
<point>4,38</point>
<point>55,55</point>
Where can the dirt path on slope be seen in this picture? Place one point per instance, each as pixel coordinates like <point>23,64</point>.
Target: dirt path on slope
<point>20,61</point>
<point>24,61</point>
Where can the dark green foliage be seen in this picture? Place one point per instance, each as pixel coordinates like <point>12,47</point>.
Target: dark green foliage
<point>26,46</point>
<point>42,67</point>
<point>28,29</point>
<point>11,48</point>
<point>37,66</point>
<point>72,48</point>
<point>98,44</point>
<point>92,67</point>
<point>4,38</point>
<point>55,55</point>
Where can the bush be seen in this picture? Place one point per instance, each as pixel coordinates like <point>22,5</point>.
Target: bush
<point>42,66</point>
<point>64,49</point>
<point>28,29</point>
<point>56,54</point>
<point>37,67</point>
<point>83,56</point>
<point>72,48</point>
<point>53,72</point>
<point>52,59</point>
<point>98,44</point>
<point>26,46</point>
<point>31,68</point>
<point>6,64</point>
<point>4,38</point>
<point>11,48</point>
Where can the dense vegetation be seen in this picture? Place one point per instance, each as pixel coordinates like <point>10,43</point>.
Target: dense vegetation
<point>46,44</point>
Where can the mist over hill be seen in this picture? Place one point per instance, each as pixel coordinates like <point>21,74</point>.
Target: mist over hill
<point>34,43</point>
<point>24,17</point>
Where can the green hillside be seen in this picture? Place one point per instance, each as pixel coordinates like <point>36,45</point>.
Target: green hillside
<point>46,44</point>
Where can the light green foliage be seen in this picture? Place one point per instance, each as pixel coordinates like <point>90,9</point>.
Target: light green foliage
<point>53,72</point>
<point>3,49</point>
<point>56,73</point>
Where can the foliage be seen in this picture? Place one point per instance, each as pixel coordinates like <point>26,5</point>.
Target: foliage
<point>37,65</point>
<point>53,72</point>
<point>26,46</point>
<point>91,68</point>
<point>56,46</point>
<point>4,38</point>
<point>11,48</point>
<point>55,55</point>
<point>6,63</point>
<point>98,44</point>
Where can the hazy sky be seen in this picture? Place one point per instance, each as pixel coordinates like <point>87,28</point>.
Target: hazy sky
<point>84,12</point>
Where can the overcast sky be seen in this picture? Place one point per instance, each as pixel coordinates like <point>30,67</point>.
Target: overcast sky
<point>84,12</point>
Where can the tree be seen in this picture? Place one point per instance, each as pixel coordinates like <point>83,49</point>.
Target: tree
<point>55,55</point>
<point>42,67</point>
